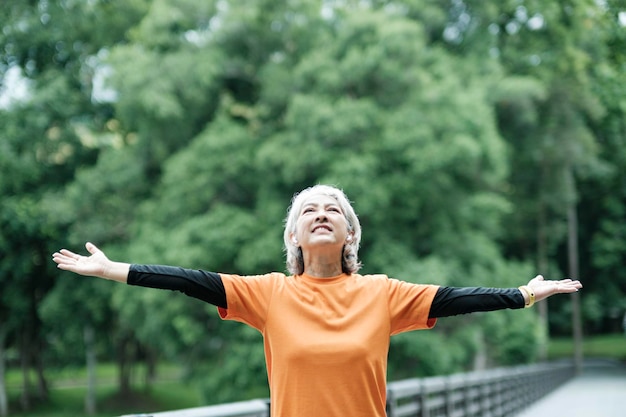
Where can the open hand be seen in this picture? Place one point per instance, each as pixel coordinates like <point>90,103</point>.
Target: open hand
<point>95,265</point>
<point>544,289</point>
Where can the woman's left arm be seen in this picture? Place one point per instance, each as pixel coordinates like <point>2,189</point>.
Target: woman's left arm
<point>451,301</point>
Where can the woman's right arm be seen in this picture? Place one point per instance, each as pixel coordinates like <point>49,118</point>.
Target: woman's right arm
<point>203,285</point>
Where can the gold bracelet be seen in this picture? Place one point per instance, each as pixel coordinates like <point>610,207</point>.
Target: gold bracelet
<point>530,293</point>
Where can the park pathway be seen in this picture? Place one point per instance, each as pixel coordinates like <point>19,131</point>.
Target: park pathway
<point>600,391</point>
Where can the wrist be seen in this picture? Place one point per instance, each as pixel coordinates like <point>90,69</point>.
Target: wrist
<point>528,294</point>
<point>117,271</point>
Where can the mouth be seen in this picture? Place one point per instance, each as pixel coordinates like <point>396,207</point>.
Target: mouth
<point>321,227</point>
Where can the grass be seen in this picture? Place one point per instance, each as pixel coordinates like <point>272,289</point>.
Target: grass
<point>67,393</point>
<point>611,346</point>
<point>68,402</point>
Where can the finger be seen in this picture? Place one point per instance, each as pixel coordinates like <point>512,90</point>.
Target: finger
<point>568,288</point>
<point>59,258</point>
<point>569,282</point>
<point>63,266</point>
<point>62,261</point>
<point>69,254</point>
<point>91,248</point>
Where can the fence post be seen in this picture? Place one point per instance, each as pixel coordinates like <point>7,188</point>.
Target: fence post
<point>455,395</point>
<point>390,407</point>
<point>423,399</point>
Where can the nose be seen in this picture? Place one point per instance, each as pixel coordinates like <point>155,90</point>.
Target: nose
<point>321,216</point>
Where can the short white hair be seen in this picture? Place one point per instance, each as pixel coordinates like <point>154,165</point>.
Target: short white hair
<point>350,260</point>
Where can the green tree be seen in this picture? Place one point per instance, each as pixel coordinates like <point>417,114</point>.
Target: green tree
<point>603,198</point>
<point>547,106</point>
<point>462,131</point>
<point>45,137</point>
<point>378,103</point>
<point>550,128</point>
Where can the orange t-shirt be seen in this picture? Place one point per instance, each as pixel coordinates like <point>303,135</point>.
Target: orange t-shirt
<point>326,340</point>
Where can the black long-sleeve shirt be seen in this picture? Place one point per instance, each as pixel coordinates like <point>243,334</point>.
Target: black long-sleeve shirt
<point>208,287</point>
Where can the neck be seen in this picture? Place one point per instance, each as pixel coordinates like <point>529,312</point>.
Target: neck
<point>322,267</point>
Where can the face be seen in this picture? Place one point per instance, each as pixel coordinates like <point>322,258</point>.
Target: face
<point>321,222</point>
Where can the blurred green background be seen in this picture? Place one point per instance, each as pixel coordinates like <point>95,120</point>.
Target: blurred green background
<point>482,143</point>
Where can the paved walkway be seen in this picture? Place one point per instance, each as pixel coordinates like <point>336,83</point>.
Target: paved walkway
<point>600,391</point>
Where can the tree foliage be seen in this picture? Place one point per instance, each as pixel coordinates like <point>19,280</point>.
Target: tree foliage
<point>176,132</point>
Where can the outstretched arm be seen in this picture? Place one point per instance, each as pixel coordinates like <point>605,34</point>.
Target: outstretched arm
<point>450,301</point>
<point>95,265</point>
<point>204,285</point>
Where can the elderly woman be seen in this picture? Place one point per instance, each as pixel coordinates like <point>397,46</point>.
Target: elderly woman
<point>326,328</point>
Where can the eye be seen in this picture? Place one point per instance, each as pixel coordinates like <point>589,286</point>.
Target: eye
<point>335,209</point>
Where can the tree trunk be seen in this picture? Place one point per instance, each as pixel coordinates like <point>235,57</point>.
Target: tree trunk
<point>542,266</point>
<point>42,384</point>
<point>90,353</point>
<point>572,251</point>
<point>4,403</point>
<point>151,369</point>
<point>480,357</point>
<point>125,365</point>
<point>25,398</point>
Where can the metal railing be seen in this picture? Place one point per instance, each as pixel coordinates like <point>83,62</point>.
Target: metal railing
<point>252,408</point>
<point>501,392</point>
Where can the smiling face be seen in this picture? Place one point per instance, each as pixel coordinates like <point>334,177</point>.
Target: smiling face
<point>321,219</point>
<point>321,222</point>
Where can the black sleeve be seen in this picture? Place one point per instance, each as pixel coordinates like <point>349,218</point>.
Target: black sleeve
<point>450,301</point>
<point>206,286</point>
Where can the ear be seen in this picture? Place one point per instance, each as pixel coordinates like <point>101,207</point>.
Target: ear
<point>294,240</point>
<point>350,237</point>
